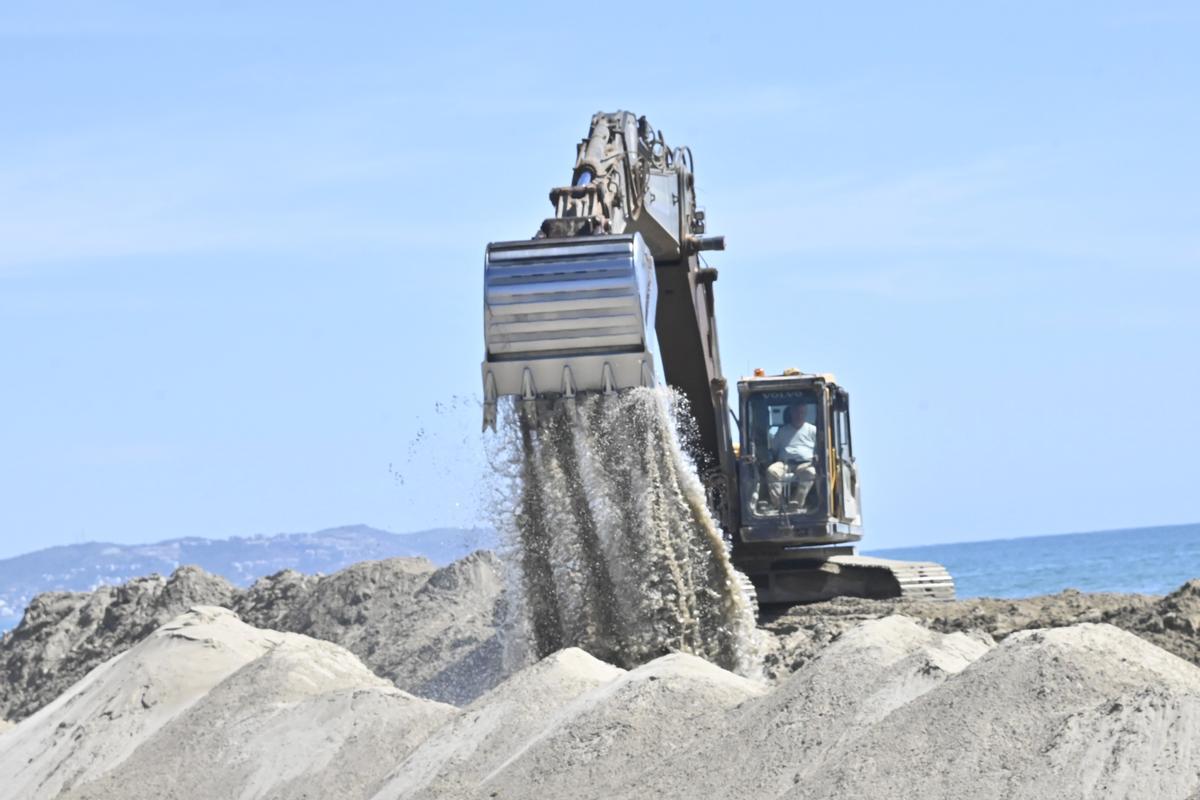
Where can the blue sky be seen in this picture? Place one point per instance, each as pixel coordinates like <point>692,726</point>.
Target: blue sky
<point>240,248</point>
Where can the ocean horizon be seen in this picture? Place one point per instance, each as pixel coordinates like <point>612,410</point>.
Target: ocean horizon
<point>1154,560</point>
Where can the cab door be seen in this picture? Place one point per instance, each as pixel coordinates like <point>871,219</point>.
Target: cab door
<point>847,503</point>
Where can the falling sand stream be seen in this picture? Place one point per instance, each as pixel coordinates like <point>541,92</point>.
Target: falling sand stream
<point>611,543</point>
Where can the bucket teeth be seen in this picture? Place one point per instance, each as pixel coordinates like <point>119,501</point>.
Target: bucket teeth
<point>568,393</point>
<point>528,389</point>
<point>529,395</point>
<point>609,382</point>
<point>489,402</point>
<point>568,383</point>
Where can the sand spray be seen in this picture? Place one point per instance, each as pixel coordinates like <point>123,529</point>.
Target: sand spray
<point>610,544</point>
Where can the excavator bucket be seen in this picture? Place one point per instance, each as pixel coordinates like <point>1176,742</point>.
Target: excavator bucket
<point>567,315</point>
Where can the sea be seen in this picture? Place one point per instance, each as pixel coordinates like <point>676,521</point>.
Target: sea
<point>1143,560</point>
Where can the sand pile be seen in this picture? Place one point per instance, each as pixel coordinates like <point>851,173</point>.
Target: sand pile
<point>625,729</point>
<point>209,707</point>
<point>103,718</point>
<point>889,709</point>
<point>1172,622</point>
<point>306,719</point>
<point>63,635</point>
<point>1084,711</point>
<point>770,744</point>
<point>456,760</point>
<point>431,631</point>
<point>434,632</point>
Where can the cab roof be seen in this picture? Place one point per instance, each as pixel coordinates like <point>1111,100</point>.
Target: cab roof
<point>791,372</point>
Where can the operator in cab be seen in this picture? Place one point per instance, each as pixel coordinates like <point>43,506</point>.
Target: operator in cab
<point>792,473</point>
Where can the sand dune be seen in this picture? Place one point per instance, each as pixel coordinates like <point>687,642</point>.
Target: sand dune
<point>305,719</point>
<point>101,720</point>
<point>208,707</point>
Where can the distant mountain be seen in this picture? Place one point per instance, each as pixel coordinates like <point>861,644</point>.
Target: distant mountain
<point>241,560</point>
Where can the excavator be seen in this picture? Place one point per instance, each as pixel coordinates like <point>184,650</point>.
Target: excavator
<point>612,293</point>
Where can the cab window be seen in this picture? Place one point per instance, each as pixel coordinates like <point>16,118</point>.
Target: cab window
<point>769,411</point>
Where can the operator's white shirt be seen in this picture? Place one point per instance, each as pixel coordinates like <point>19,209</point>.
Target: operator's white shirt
<point>792,444</point>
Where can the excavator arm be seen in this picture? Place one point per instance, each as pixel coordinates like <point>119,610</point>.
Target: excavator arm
<point>611,292</point>
<point>626,179</point>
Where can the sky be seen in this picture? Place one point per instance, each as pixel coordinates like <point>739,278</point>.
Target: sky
<point>241,248</point>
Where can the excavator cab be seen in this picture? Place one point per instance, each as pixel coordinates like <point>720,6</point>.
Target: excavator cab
<point>796,472</point>
<point>798,513</point>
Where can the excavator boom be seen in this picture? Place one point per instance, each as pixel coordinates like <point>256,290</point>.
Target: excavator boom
<point>612,274</point>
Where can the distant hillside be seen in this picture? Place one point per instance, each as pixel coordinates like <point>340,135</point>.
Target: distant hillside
<point>241,560</point>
